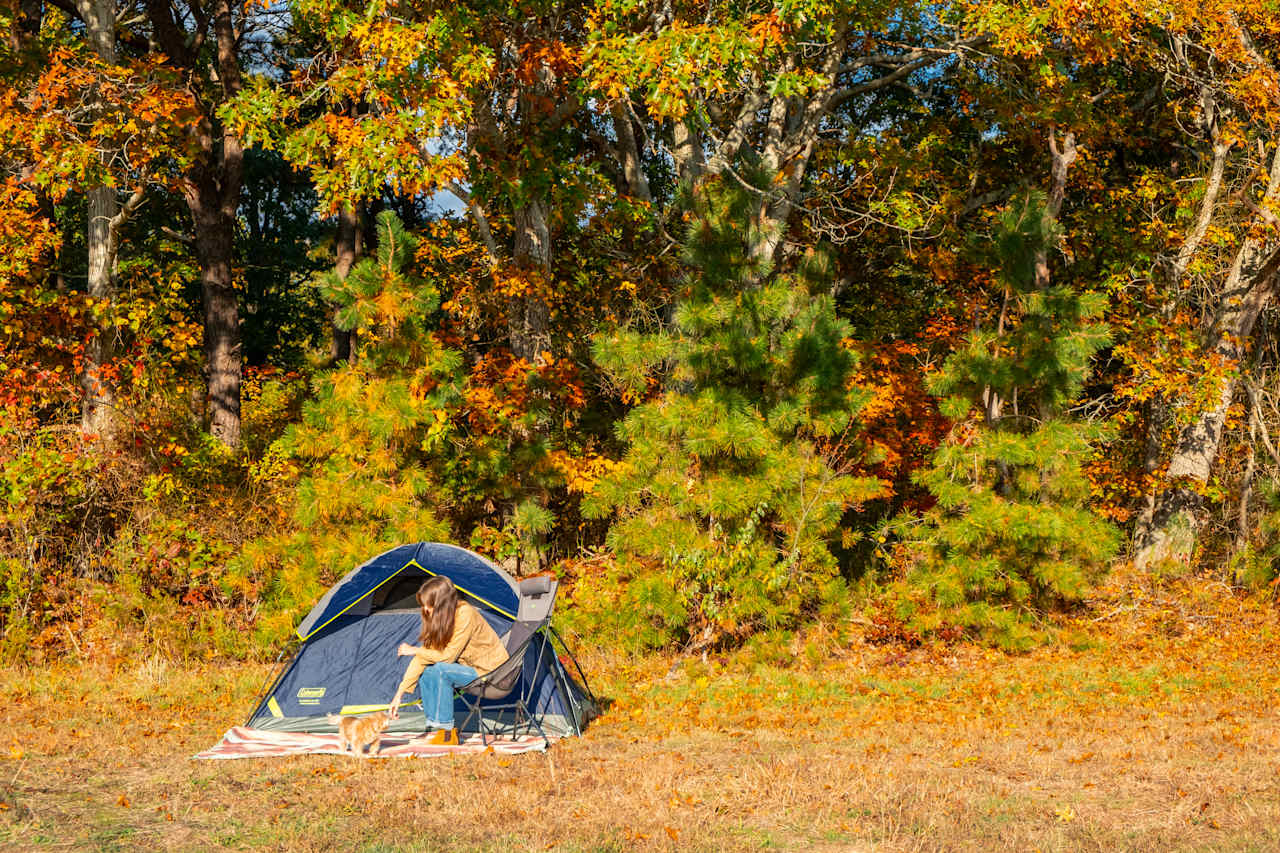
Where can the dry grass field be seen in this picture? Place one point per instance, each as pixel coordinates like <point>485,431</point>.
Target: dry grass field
<point>1154,728</point>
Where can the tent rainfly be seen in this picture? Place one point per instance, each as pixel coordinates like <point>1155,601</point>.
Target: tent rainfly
<point>347,664</point>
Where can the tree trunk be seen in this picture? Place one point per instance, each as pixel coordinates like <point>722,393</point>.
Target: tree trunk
<point>26,23</point>
<point>529,317</point>
<point>97,402</point>
<point>629,153</point>
<point>97,412</point>
<point>346,250</point>
<point>1157,409</point>
<point>211,188</point>
<point>1062,158</point>
<point>686,151</point>
<point>1177,514</point>
<point>214,244</point>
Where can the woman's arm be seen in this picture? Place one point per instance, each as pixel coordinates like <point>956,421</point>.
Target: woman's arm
<point>411,675</point>
<point>463,628</point>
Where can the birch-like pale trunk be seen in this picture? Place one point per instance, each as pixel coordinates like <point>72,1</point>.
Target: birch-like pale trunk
<point>1061,158</point>
<point>782,132</point>
<point>1170,531</point>
<point>1156,409</point>
<point>496,125</point>
<point>628,152</point>
<point>97,407</point>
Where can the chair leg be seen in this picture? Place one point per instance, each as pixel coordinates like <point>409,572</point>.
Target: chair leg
<point>498,727</point>
<point>533,723</point>
<point>466,721</point>
<point>472,710</point>
<point>475,710</point>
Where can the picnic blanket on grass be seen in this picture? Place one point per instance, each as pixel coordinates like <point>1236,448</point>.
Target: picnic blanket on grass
<point>244,742</point>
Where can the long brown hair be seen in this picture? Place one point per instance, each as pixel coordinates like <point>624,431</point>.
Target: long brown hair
<point>439,594</point>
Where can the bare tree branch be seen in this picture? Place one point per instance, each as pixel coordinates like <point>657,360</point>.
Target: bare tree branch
<point>1213,186</point>
<point>481,220</point>
<point>904,65</point>
<point>180,236</point>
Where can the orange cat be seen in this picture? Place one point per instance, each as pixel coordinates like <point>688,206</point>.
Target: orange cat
<point>358,732</point>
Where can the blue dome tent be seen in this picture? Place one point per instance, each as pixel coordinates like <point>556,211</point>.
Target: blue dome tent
<point>347,664</point>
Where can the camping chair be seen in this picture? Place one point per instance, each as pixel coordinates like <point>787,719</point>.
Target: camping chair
<point>537,597</point>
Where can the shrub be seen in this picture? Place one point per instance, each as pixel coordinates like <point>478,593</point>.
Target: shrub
<point>736,473</point>
<point>1011,535</point>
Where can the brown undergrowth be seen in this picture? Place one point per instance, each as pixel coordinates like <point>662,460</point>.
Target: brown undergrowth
<point>1152,727</point>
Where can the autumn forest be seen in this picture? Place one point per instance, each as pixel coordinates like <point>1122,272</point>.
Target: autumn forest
<point>910,358</point>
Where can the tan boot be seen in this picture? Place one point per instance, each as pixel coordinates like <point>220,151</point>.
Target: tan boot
<point>443,737</point>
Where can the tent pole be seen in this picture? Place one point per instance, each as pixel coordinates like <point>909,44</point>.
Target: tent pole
<point>278,671</point>
<point>594,699</point>
<point>562,683</point>
<point>532,713</point>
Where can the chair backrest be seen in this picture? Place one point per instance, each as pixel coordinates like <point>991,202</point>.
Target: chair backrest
<point>518,635</point>
<point>537,597</point>
<point>501,681</point>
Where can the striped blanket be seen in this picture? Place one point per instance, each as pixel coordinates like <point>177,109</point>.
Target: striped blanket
<point>244,742</point>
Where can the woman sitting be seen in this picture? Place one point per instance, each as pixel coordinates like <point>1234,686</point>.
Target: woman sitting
<point>458,646</point>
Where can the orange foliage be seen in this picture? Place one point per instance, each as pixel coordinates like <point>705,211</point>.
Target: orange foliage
<point>768,29</point>
<point>503,390</point>
<point>41,348</point>
<point>142,118</point>
<point>901,421</point>
<point>1118,483</point>
<point>26,237</point>
<point>542,59</point>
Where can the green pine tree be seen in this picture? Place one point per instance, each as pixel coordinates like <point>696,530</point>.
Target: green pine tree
<point>732,478</point>
<point>365,446</point>
<point>1011,535</point>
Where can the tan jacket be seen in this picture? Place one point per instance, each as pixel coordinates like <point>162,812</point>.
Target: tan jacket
<point>473,644</point>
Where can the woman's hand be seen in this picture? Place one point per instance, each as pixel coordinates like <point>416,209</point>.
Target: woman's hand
<point>393,711</point>
<point>406,649</point>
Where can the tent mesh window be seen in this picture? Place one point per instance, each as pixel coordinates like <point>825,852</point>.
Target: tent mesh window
<point>398,595</point>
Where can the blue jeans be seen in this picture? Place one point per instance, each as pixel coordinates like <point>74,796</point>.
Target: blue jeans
<point>436,687</point>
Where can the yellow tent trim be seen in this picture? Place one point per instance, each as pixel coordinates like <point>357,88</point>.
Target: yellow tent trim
<point>274,707</point>
<point>423,568</point>
<point>483,601</point>
<point>360,599</point>
<point>365,709</point>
